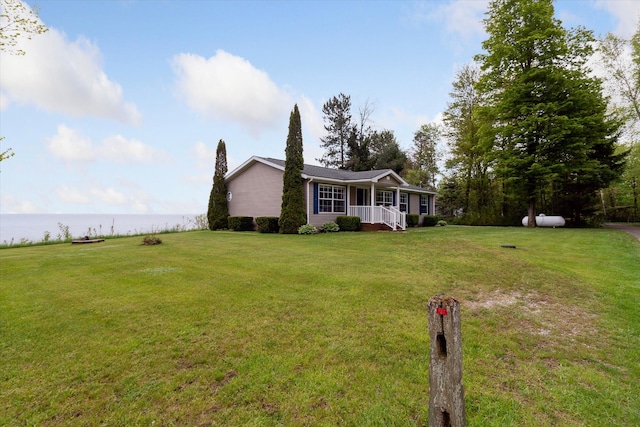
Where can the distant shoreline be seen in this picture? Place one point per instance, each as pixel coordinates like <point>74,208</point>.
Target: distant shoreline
<point>34,228</point>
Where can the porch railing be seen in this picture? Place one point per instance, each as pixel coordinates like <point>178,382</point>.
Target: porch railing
<point>388,215</point>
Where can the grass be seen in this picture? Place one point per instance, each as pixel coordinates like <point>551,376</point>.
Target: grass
<point>224,328</point>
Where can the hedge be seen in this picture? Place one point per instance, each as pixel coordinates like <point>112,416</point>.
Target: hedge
<point>241,223</point>
<point>348,223</point>
<point>430,221</point>
<point>267,224</point>
<point>413,220</point>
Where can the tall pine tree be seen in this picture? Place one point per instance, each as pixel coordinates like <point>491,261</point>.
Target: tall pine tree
<point>293,213</point>
<point>340,128</point>
<point>218,211</point>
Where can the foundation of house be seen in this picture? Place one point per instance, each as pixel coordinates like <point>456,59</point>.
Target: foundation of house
<point>374,227</point>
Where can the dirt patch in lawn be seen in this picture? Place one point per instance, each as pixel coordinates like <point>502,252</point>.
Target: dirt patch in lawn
<point>538,314</point>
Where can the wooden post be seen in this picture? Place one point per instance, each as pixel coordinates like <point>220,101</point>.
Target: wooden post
<point>446,394</point>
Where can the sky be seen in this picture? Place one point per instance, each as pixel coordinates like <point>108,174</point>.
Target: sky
<point>119,107</point>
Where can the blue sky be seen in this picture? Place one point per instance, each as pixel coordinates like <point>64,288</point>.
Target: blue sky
<point>120,106</point>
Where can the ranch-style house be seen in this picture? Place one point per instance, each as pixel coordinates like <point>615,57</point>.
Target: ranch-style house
<point>381,198</point>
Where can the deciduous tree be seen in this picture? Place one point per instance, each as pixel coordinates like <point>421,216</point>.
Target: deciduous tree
<point>424,156</point>
<point>218,212</point>
<point>293,212</point>
<point>551,128</point>
<point>359,156</point>
<point>16,21</point>
<point>621,59</point>
<point>470,155</point>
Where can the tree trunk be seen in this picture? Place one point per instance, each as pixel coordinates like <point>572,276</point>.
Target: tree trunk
<point>532,213</point>
<point>634,185</point>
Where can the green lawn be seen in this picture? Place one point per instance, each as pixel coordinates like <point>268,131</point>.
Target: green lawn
<point>224,328</point>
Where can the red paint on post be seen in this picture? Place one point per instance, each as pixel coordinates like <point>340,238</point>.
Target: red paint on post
<point>442,311</point>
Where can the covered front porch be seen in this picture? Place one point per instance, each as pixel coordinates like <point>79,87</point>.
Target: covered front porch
<point>387,215</point>
<point>377,204</point>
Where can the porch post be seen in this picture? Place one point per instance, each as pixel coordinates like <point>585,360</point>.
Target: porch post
<point>373,202</point>
<point>308,201</point>
<point>397,198</point>
<point>348,199</point>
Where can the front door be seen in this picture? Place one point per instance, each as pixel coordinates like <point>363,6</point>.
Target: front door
<point>361,197</point>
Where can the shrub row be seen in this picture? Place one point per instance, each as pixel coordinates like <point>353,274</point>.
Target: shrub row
<point>348,223</point>
<point>430,220</point>
<point>240,223</point>
<point>267,224</point>
<point>413,220</point>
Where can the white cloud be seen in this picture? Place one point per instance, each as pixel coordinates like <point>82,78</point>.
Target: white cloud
<point>627,12</point>
<point>72,195</point>
<point>71,146</point>
<point>137,200</point>
<point>228,87</point>
<point>460,17</point>
<point>312,130</point>
<point>139,206</point>
<point>397,117</point>
<point>64,77</point>
<point>203,178</point>
<point>110,196</point>
<point>11,204</point>
<point>4,101</point>
<point>121,149</point>
<point>205,156</point>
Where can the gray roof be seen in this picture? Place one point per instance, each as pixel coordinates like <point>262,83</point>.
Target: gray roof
<point>344,175</point>
<point>333,175</point>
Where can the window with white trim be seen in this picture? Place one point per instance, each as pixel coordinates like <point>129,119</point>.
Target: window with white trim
<point>424,204</point>
<point>331,198</point>
<point>404,202</point>
<point>384,198</point>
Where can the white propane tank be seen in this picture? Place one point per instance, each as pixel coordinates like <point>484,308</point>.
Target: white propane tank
<point>545,221</point>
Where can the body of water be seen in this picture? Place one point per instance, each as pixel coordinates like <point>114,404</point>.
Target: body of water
<point>15,228</point>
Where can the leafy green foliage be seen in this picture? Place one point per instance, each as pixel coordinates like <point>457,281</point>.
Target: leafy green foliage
<point>430,220</point>
<point>267,224</point>
<point>413,220</point>
<point>470,186</point>
<point>424,156</point>
<point>307,229</point>
<point>293,213</point>
<point>218,211</point>
<point>4,155</point>
<point>348,223</point>
<point>240,223</point>
<point>329,227</point>
<point>549,123</point>
<point>17,20</point>
<point>386,152</point>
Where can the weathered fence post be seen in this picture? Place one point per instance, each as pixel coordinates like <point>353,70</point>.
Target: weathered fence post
<point>446,394</point>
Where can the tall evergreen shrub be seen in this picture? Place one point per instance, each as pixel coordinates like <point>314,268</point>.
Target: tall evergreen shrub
<point>218,211</point>
<point>293,213</point>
